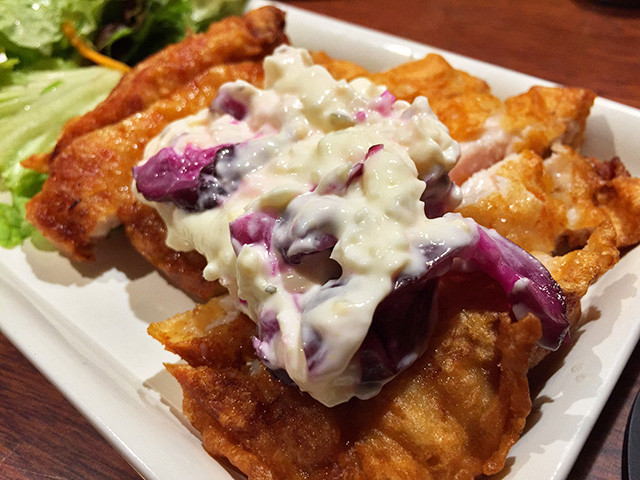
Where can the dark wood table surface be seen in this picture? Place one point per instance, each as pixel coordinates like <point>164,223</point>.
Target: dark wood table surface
<point>573,42</point>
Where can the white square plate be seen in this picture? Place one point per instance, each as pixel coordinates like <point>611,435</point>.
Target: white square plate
<point>84,326</point>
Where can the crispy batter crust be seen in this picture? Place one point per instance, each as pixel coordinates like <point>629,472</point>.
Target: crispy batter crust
<point>572,212</point>
<point>147,233</point>
<point>521,206</point>
<point>89,192</point>
<point>454,414</point>
<point>546,115</point>
<point>534,120</point>
<point>461,101</point>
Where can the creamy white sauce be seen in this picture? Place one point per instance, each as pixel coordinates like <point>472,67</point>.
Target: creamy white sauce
<point>302,134</point>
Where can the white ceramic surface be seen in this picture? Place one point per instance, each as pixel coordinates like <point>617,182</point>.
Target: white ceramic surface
<point>84,326</point>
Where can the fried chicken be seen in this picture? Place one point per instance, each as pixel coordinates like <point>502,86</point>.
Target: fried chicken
<point>534,120</point>
<point>88,191</point>
<point>454,414</point>
<point>487,128</point>
<point>89,188</point>
<point>573,213</point>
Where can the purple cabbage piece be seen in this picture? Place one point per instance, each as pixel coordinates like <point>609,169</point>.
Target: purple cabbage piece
<point>253,228</point>
<point>294,242</point>
<point>440,194</point>
<point>191,180</point>
<point>356,172</point>
<point>169,175</point>
<point>226,103</point>
<point>527,283</point>
<point>358,169</point>
<point>400,329</point>
<point>268,328</point>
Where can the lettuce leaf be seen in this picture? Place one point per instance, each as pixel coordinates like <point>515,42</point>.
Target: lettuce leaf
<point>13,227</point>
<point>30,30</point>
<point>204,12</point>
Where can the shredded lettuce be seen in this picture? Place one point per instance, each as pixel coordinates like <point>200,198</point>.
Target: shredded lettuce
<point>44,81</point>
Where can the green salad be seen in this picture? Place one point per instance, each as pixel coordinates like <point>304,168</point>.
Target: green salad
<point>44,81</point>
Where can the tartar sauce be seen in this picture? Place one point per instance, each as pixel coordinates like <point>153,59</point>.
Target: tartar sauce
<point>334,173</point>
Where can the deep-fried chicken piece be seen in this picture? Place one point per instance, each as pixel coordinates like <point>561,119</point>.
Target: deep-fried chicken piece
<point>232,39</point>
<point>461,101</point>
<point>552,206</point>
<point>571,212</point>
<point>534,120</point>
<point>342,69</point>
<point>89,189</point>
<point>487,128</point>
<point>147,233</point>
<point>591,188</point>
<point>83,199</point>
<point>544,116</point>
<point>515,197</point>
<point>454,414</point>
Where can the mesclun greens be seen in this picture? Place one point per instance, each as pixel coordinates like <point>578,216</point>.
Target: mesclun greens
<point>44,81</point>
<point>30,30</point>
<point>133,30</point>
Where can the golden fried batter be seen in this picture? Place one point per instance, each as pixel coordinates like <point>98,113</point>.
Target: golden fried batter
<point>592,189</point>
<point>546,115</point>
<point>88,191</point>
<point>571,212</point>
<point>454,414</point>
<point>339,68</point>
<point>462,102</point>
<point>534,120</point>
<point>487,128</point>
<point>515,197</point>
<point>552,206</point>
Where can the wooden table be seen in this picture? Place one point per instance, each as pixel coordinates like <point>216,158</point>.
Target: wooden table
<point>573,42</point>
